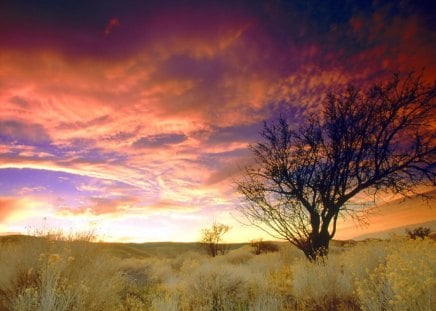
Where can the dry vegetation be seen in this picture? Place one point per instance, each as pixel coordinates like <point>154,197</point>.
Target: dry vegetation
<point>75,274</point>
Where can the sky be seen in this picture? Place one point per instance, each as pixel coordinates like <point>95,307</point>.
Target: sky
<point>133,118</point>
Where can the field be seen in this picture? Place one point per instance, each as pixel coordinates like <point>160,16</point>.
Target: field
<point>75,274</point>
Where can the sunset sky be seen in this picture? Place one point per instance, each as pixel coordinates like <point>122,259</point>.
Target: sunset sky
<point>133,117</point>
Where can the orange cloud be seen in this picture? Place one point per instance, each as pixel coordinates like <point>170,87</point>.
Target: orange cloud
<point>7,206</point>
<point>13,209</point>
<point>103,205</point>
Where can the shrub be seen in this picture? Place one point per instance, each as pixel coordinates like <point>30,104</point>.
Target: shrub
<point>215,287</point>
<point>265,247</point>
<point>420,232</point>
<point>40,274</point>
<point>325,285</point>
<point>405,281</point>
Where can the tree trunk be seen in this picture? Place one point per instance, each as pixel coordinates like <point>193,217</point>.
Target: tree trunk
<point>317,246</point>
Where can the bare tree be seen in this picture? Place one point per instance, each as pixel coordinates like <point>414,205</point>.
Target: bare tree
<point>363,141</point>
<point>211,239</point>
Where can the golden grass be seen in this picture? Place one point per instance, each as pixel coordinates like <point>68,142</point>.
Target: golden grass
<point>68,274</point>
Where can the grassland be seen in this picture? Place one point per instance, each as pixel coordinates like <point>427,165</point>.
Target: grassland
<point>39,273</point>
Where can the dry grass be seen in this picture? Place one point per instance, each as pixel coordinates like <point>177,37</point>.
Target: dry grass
<point>75,274</point>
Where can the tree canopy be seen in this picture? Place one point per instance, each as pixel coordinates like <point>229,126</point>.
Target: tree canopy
<point>211,239</point>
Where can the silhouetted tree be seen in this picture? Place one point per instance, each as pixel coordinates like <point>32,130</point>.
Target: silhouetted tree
<point>378,139</point>
<point>211,239</point>
<point>420,232</point>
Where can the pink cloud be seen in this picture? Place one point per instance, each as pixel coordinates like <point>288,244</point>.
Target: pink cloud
<point>29,190</point>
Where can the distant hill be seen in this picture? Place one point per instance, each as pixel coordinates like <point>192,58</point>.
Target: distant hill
<point>143,250</point>
<point>159,249</point>
<point>397,231</point>
<point>9,233</point>
<point>132,250</point>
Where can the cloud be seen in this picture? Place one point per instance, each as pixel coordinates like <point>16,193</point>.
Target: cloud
<point>226,172</point>
<point>161,140</point>
<point>78,125</point>
<point>13,131</point>
<point>7,206</point>
<point>13,209</point>
<point>19,101</point>
<point>113,22</point>
<point>172,206</point>
<point>102,205</point>
<point>27,190</point>
<point>244,133</point>
<point>97,169</point>
<point>4,149</point>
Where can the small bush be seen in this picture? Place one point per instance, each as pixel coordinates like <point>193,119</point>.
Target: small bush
<point>420,232</point>
<point>216,287</point>
<point>263,247</point>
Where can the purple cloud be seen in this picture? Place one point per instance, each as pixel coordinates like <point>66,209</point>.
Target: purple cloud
<point>160,140</point>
